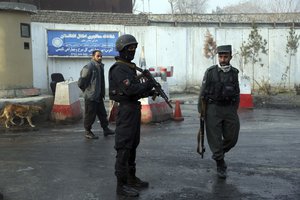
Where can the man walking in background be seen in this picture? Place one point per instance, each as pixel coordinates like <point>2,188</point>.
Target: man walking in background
<point>92,83</point>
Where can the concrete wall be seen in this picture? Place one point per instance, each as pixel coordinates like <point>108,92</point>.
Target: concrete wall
<point>178,46</point>
<point>15,61</point>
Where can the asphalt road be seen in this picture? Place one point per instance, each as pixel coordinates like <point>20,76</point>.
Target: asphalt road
<point>55,161</point>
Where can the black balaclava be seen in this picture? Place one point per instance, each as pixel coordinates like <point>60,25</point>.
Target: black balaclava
<point>127,55</point>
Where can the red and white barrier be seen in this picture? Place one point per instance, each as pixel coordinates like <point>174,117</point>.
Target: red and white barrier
<point>157,110</point>
<point>246,100</point>
<point>66,103</point>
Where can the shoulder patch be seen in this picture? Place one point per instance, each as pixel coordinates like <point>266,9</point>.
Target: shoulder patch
<point>126,82</point>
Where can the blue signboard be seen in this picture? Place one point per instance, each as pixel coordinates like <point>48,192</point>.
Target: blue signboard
<point>81,43</point>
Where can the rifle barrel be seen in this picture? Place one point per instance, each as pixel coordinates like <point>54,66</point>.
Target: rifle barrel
<point>157,86</point>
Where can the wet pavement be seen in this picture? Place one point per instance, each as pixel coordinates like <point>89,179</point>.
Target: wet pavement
<point>56,162</point>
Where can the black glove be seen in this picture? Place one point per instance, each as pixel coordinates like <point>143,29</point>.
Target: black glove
<point>146,72</point>
<point>153,93</point>
<point>150,84</point>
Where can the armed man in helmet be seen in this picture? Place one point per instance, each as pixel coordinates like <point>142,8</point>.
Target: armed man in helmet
<point>125,88</point>
<point>220,92</point>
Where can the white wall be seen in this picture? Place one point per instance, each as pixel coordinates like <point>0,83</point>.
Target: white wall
<point>181,47</point>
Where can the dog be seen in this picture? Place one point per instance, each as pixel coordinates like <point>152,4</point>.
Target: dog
<point>10,111</point>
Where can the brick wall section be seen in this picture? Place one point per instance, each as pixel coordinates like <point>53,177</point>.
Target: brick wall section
<point>70,17</point>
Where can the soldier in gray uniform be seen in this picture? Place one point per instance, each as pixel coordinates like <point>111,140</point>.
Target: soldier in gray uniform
<point>220,92</point>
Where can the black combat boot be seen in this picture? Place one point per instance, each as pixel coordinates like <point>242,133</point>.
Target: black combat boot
<point>137,183</point>
<point>221,169</point>
<point>90,135</point>
<point>125,190</point>
<point>107,131</point>
<point>134,181</point>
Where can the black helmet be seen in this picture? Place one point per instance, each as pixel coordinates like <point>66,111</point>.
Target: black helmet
<point>125,40</point>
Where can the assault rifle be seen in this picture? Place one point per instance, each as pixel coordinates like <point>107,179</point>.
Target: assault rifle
<point>147,74</point>
<point>200,136</point>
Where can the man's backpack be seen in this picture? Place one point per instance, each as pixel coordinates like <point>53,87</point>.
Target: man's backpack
<point>84,78</point>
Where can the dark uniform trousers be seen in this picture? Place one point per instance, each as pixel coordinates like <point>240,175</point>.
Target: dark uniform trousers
<point>93,109</point>
<point>222,128</point>
<point>127,138</point>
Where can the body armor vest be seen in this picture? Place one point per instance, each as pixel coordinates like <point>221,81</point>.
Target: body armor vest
<point>222,87</point>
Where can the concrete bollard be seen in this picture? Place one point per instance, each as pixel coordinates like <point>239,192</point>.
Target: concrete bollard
<point>157,110</point>
<point>66,102</point>
<point>246,100</point>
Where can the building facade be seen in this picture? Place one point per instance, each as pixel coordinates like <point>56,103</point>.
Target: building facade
<point>176,40</point>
